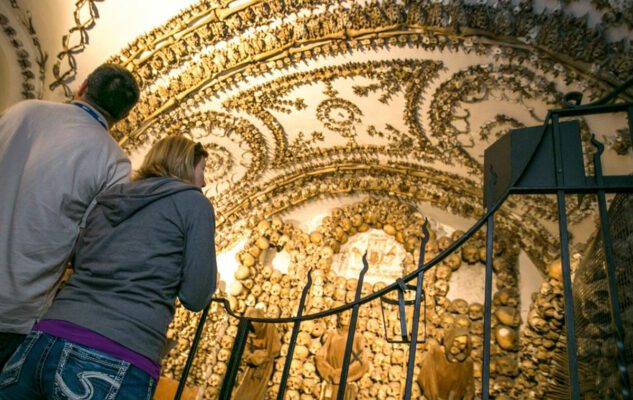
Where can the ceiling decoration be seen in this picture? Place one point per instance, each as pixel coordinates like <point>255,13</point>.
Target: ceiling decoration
<point>18,28</point>
<point>73,43</point>
<point>286,94</point>
<point>413,184</point>
<point>295,100</point>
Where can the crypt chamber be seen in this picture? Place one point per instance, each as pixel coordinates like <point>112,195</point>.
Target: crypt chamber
<point>342,133</point>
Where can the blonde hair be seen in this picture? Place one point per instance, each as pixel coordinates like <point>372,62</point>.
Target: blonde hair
<point>172,156</point>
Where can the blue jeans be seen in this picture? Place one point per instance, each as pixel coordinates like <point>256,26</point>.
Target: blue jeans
<point>47,367</point>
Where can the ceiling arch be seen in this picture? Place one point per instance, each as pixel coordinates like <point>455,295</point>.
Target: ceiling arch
<point>399,98</point>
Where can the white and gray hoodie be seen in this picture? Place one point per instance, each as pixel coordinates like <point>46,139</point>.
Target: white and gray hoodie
<point>145,243</point>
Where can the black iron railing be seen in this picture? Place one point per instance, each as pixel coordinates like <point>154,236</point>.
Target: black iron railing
<point>548,164</point>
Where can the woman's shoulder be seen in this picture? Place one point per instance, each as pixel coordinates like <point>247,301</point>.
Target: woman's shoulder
<point>192,198</point>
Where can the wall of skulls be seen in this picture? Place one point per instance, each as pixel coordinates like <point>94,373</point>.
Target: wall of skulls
<point>521,65</point>
<point>259,285</point>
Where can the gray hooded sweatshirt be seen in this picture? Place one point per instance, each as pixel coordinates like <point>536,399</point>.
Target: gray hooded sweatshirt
<point>145,243</point>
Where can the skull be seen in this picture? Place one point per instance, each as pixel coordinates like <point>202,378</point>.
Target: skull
<point>443,243</point>
<point>219,368</point>
<point>443,272</point>
<point>303,338</point>
<point>294,382</point>
<point>509,316</point>
<point>262,243</point>
<point>275,276</point>
<point>459,306</point>
<point>308,370</point>
<point>340,294</point>
<point>301,352</point>
<point>256,290</point>
<point>477,328</point>
<point>296,367</point>
<point>273,311</point>
<point>318,329</point>
<point>215,380</point>
<point>275,289</point>
<point>317,304</point>
<point>453,261</point>
<point>395,372</point>
<point>276,223</point>
<point>500,264</point>
<point>274,300</point>
<point>379,286</point>
<point>447,321</point>
<point>316,237</point>
<point>470,254</point>
<point>293,395</point>
<point>507,338</point>
<point>223,355</point>
<point>555,271</point>
<point>462,321</point>
<point>365,382</point>
<point>536,322</point>
<point>476,311</point>
<point>241,306</point>
<point>231,330</point>
<point>328,290</point>
<point>373,326</point>
<point>506,297</point>
<point>226,342</point>
<point>441,288</point>
<point>507,366</point>
<point>241,273</point>
<point>457,234</point>
<point>310,387</point>
<point>263,226</point>
<point>247,259</point>
<point>236,288</point>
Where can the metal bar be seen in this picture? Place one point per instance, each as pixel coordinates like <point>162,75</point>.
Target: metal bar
<point>402,311</point>
<point>293,339</point>
<point>564,249</point>
<point>616,315</point>
<point>485,373</point>
<point>569,302</point>
<point>416,315</point>
<point>236,357</point>
<point>349,345</point>
<point>192,352</point>
<point>629,113</point>
<point>592,110</point>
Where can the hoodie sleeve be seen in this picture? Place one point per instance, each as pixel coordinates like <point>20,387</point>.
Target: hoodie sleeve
<point>199,265</point>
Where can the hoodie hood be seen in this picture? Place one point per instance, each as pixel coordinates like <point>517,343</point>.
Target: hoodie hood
<point>121,201</point>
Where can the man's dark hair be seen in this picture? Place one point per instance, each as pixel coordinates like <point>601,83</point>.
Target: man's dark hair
<point>113,89</point>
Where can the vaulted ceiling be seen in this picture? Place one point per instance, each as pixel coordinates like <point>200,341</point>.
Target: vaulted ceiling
<point>297,100</point>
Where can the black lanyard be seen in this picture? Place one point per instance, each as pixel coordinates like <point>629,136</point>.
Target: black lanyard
<point>93,114</point>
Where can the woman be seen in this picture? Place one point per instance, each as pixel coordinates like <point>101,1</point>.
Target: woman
<point>146,242</point>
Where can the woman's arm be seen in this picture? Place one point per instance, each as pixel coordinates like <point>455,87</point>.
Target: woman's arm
<point>199,264</point>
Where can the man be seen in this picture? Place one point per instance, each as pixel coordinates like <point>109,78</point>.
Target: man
<point>54,160</point>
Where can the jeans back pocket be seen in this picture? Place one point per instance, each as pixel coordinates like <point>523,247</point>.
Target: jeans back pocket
<point>84,373</point>
<point>11,371</point>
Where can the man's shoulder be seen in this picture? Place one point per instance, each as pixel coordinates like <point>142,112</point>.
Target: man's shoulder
<point>32,105</point>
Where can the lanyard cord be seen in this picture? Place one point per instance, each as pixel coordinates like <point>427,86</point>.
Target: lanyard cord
<point>93,114</point>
